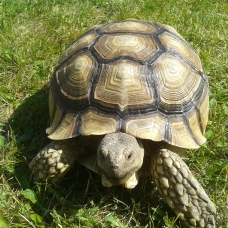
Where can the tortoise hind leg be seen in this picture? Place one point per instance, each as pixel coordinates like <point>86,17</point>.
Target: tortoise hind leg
<point>53,161</point>
<point>182,191</point>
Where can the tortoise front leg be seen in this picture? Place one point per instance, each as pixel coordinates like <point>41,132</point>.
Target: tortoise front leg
<point>53,161</point>
<point>182,191</point>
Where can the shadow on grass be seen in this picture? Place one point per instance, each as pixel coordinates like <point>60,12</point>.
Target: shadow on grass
<point>80,188</point>
<point>27,127</point>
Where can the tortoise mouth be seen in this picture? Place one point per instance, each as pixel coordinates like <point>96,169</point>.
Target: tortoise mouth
<point>118,179</point>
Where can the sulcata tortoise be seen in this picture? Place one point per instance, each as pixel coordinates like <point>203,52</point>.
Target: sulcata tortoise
<point>125,99</point>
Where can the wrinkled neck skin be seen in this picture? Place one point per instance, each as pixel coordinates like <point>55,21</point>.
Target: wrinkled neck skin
<point>120,156</point>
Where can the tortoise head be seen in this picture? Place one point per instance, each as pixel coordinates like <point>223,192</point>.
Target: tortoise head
<point>120,156</point>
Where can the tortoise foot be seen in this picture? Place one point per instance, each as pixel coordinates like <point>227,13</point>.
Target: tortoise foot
<point>182,191</point>
<point>52,162</point>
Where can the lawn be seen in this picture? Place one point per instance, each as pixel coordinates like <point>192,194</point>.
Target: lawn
<point>33,35</point>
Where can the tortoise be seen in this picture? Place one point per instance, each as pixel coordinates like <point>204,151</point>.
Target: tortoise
<point>126,99</point>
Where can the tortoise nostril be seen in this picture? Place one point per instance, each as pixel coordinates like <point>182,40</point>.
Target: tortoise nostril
<point>129,156</point>
<point>114,166</point>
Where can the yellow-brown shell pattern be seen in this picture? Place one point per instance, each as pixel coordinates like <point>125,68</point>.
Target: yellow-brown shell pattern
<point>130,76</point>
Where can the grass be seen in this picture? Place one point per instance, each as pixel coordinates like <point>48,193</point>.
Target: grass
<point>33,35</point>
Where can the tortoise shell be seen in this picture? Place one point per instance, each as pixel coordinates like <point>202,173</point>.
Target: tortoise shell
<point>131,76</point>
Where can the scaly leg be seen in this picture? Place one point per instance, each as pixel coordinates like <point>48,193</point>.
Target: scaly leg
<point>53,161</point>
<point>182,191</point>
